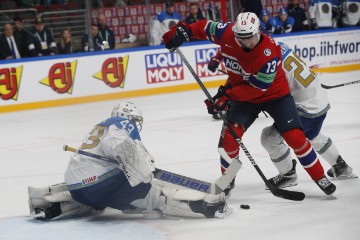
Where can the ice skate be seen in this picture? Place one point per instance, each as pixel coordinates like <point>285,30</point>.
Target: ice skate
<point>341,170</point>
<point>210,210</point>
<point>285,180</point>
<point>326,186</point>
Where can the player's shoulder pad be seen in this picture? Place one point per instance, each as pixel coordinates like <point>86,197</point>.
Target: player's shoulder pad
<point>216,29</point>
<point>123,124</point>
<point>285,50</point>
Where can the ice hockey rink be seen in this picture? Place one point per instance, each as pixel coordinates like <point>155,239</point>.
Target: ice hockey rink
<point>183,138</point>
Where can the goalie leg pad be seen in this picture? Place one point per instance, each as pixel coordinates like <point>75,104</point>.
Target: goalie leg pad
<point>55,202</point>
<point>163,199</point>
<point>180,202</point>
<point>190,203</point>
<point>42,197</point>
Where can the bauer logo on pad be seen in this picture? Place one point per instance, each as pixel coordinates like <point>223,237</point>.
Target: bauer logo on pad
<point>163,67</point>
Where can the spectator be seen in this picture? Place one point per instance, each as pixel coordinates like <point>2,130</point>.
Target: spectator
<point>195,14</point>
<point>29,3</point>
<point>66,45</point>
<point>9,44</point>
<point>267,23</point>
<point>121,3</point>
<point>283,22</point>
<point>95,43</point>
<point>163,22</point>
<point>41,41</point>
<point>21,33</point>
<point>97,4</point>
<point>350,13</point>
<point>321,15</point>
<point>254,6</point>
<point>299,16</point>
<point>169,13</point>
<point>105,32</point>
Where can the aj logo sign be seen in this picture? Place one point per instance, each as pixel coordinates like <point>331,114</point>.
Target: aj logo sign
<point>113,71</point>
<point>61,77</point>
<point>10,82</point>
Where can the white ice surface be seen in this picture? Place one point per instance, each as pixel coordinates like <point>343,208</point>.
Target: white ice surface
<point>183,138</point>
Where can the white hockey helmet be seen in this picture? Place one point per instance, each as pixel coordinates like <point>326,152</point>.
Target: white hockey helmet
<point>130,111</point>
<point>246,26</point>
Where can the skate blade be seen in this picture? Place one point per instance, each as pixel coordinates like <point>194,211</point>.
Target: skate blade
<point>345,177</point>
<point>225,212</point>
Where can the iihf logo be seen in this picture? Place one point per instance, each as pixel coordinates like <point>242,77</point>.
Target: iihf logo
<point>113,71</point>
<point>10,82</point>
<point>267,52</point>
<point>61,77</point>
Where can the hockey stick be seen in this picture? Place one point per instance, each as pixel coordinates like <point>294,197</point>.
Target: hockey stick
<point>340,85</point>
<point>290,195</point>
<point>177,179</point>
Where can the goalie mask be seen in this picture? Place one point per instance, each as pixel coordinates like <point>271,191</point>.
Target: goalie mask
<point>246,30</point>
<point>130,111</point>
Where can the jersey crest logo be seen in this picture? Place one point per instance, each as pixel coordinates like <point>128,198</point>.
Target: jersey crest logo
<point>267,52</point>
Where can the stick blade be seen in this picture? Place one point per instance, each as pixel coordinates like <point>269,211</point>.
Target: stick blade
<point>286,194</point>
<point>325,86</point>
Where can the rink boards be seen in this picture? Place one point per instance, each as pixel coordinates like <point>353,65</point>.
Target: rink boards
<point>125,73</point>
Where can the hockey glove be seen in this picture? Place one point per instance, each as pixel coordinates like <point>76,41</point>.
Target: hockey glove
<point>178,34</point>
<point>213,64</point>
<point>313,24</point>
<point>221,100</point>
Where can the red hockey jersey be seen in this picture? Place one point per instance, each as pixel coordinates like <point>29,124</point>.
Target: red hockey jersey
<point>256,75</point>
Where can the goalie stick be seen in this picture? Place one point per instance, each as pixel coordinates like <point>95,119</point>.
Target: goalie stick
<point>211,188</point>
<point>340,85</point>
<point>282,193</point>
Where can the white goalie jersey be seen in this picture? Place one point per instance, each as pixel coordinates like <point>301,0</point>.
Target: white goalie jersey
<point>310,98</point>
<point>116,138</point>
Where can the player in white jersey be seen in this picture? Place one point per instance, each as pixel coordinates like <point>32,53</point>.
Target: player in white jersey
<point>312,105</point>
<point>351,12</point>
<point>320,12</point>
<point>92,183</point>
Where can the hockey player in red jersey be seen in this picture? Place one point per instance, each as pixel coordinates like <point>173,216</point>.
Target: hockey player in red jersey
<point>253,62</point>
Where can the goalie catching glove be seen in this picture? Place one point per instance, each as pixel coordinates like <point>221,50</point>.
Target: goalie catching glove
<point>178,34</point>
<point>219,102</point>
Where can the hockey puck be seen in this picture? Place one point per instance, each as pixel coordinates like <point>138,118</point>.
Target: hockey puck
<point>244,206</point>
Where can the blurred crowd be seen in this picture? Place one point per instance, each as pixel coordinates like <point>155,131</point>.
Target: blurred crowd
<point>321,14</point>
<point>19,42</point>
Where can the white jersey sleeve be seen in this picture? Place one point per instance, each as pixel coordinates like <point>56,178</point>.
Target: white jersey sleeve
<point>310,98</point>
